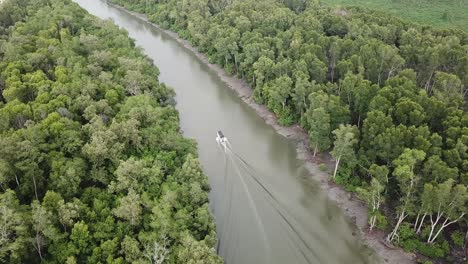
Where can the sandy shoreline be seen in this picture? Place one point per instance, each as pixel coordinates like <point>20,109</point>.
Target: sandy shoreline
<point>352,207</point>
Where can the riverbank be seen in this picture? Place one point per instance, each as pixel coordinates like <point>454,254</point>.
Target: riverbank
<point>353,208</point>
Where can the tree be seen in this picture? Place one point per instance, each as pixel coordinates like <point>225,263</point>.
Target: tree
<point>13,229</point>
<point>345,140</point>
<point>333,55</point>
<point>196,252</point>
<point>137,175</point>
<point>131,249</point>
<point>80,238</point>
<point>373,197</point>
<point>449,89</point>
<point>319,132</point>
<point>262,70</point>
<point>300,93</point>
<point>409,113</point>
<point>67,213</point>
<point>427,201</point>
<point>449,202</point>
<point>380,173</point>
<point>358,93</point>
<point>339,113</point>
<point>437,171</point>
<point>43,228</point>
<point>407,180</point>
<point>279,91</point>
<point>375,124</point>
<point>66,175</point>
<point>130,208</point>
<point>156,252</point>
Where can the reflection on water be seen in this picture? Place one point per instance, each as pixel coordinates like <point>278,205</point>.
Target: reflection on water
<point>300,225</point>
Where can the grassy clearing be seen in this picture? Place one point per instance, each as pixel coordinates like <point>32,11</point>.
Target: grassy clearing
<point>439,13</point>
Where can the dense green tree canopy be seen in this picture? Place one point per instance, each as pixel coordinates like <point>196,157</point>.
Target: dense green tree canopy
<point>93,167</point>
<point>392,91</point>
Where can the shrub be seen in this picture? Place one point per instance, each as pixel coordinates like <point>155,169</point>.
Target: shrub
<point>323,167</point>
<point>410,242</point>
<point>424,262</point>
<point>286,118</point>
<point>345,178</point>
<point>433,250</point>
<point>406,232</point>
<point>458,238</point>
<point>381,222</point>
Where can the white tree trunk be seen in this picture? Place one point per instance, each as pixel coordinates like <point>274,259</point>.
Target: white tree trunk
<point>372,223</point>
<point>428,82</point>
<point>401,217</point>
<point>336,166</point>
<point>39,244</point>
<point>380,71</point>
<point>444,225</point>
<point>235,61</point>
<point>421,223</point>
<point>434,224</point>
<point>416,223</point>
<point>35,187</point>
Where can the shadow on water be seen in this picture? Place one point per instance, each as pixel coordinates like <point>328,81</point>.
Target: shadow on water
<point>300,224</point>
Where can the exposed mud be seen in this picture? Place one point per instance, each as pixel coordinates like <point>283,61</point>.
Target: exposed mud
<point>352,207</point>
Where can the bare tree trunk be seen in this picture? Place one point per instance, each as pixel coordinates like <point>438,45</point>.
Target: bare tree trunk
<point>336,167</point>
<point>372,223</point>
<point>332,73</point>
<point>375,207</point>
<point>421,223</point>
<point>17,181</point>
<point>466,242</point>
<point>235,61</point>
<point>391,72</point>
<point>380,72</point>
<point>444,225</point>
<point>39,245</point>
<point>428,82</point>
<point>391,236</point>
<point>416,222</point>
<point>35,187</point>
<point>434,224</point>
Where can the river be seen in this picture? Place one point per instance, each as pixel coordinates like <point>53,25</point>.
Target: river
<point>293,221</point>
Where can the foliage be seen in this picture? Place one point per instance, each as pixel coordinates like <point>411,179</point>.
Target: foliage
<point>384,95</point>
<point>458,238</point>
<point>345,178</point>
<point>409,241</point>
<point>424,262</point>
<point>323,167</point>
<point>93,167</point>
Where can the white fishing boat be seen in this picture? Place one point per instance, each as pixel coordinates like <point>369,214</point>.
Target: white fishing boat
<point>220,137</point>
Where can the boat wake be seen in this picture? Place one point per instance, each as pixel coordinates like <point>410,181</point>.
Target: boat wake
<point>245,174</point>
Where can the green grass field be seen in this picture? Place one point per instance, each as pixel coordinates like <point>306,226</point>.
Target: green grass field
<point>438,13</point>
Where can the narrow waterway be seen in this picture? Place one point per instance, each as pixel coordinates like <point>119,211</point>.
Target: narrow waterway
<point>293,221</point>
